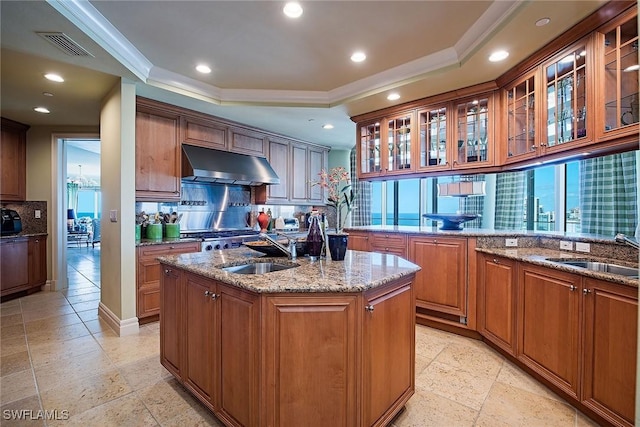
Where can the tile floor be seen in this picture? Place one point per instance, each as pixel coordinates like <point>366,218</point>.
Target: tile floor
<point>57,356</point>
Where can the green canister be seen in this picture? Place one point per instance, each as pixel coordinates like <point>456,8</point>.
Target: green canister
<point>172,231</point>
<point>154,231</point>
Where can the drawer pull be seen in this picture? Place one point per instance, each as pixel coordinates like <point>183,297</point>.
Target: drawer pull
<point>572,288</point>
<point>586,291</point>
<point>172,247</point>
<point>214,296</point>
<point>495,261</point>
<point>167,271</point>
<point>369,308</point>
<point>206,293</point>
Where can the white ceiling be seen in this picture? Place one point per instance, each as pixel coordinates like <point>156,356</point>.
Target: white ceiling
<point>282,75</point>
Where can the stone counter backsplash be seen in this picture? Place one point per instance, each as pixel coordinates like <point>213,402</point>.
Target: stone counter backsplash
<point>26,210</point>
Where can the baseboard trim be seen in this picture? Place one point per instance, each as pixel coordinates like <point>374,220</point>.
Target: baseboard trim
<point>121,327</point>
<point>48,286</point>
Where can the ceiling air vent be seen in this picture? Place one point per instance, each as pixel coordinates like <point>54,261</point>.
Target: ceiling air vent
<point>65,44</point>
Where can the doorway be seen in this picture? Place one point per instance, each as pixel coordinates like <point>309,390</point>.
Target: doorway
<point>78,208</point>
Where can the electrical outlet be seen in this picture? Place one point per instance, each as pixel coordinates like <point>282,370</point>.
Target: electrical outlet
<point>37,213</point>
<point>566,245</point>
<point>583,247</point>
<point>511,243</point>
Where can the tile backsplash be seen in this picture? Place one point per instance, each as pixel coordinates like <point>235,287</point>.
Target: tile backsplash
<point>27,212</point>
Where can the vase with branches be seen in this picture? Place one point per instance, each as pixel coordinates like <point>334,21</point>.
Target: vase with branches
<point>341,197</point>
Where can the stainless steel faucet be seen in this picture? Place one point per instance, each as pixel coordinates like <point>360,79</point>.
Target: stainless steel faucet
<point>621,238</point>
<point>291,251</point>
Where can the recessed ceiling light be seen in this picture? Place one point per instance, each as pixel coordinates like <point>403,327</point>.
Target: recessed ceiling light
<point>327,126</point>
<point>498,55</point>
<point>542,22</point>
<point>393,96</point>
<point>47,93</point>
<point>358,56</point>
<point>632,68</point>
<point>42,110</point>
<point>292,9</point>
<point>203,69</point>
<point>53,77</point>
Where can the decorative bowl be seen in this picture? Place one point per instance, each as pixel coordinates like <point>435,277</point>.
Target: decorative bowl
<point>452,221</point>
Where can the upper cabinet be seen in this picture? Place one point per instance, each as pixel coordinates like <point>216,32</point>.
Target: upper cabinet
<point>616,48</point>
<point>158,153</point>
<point>565,109</point>
<point>434,138</point>
<point>13,163</point>
<point>519,100</point>
<point>247,141</point>
<point>473,132</point>
<point>306,163</point>
<point>203,132</point>
<point>385,146</point>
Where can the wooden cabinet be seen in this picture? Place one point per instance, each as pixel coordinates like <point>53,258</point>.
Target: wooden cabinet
<point>441,284</point>
<point>148,275</point>
<point>158,153</point>
<point>37,260</point>
<point>279,160</point>
<point>617,101</point>
<point>358,240</point>
<point>203,132</point>
<point>14,260</point>
<point>497,287</point>
<point>520,110</point>
<point>385,146</point>
<point>314,337</point>
<point>610,350</point>
<point>434,145</point>
<point>13,161</point>
<point>388,243</point>
<point>343,359</point>
<point>474,132</point>
<point>172,325</point>
<point>389,371</point>
<point>246,141</point>
<point>306,163</point>
<point>567,92</point>
<point>549,325</point>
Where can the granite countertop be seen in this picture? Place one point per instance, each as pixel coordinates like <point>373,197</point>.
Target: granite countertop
<point>23,234</point>
<point>480,232</point>
<point>358,272</point>
<point>165,240</point>
<point>539,256</point>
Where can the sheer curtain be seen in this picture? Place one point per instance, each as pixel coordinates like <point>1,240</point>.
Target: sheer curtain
<point>361,215</point>
<point>608,194</point>
<point>510,189</point>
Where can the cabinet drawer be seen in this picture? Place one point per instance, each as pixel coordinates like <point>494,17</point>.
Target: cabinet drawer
<point>393,250</point>
<point>395,240</point>
<point>167,249</point>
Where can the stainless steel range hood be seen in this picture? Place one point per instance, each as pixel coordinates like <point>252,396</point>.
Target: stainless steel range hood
<point>207,165</point>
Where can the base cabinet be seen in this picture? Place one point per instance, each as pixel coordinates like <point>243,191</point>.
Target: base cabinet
<point>290,359</point>
<point>497,301</point>
<point>610,347</point>
<point>148,275</point>
<point>23,264</point>
<point>441,284</point>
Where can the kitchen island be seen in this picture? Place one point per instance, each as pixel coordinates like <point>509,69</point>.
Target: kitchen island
<point>321,343</point>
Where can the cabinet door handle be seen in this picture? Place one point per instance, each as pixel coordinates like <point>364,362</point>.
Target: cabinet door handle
<point>37,241</point>
<point>207,293</point>
<point>586,291</point>
<point>214,296</point>
<point>435,242</point>
<point>495,261</point>
<point>533,147</point>
<point>573,288</point>
<point>369,308</point>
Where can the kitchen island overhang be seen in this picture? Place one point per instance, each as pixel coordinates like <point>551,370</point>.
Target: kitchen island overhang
<point>324,343</point>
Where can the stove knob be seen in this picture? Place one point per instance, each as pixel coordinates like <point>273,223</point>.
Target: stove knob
<point>217,246</point>
<point>208,247</point>
<point>226,246</point>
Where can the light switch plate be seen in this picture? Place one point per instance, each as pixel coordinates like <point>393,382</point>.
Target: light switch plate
<point>37,213</point>
<point>566,245</point>
<point>113,215</point>
<point>511,243</point>
<point>583,247</point>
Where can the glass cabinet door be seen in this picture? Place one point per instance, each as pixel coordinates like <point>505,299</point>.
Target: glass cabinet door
<point>433,138</point>
<point>521,123</point>
<point>399,143</point>
<point>370,145</point>
<point>621,75</point>
<point>566,98</point>
<point>472,129</point>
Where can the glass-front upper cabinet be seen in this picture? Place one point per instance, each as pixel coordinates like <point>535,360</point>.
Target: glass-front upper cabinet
<point>473,138</point>
<point>520,103</point>
<point>620,75</point>
<point>370,149</point>
<point>399,134</point>
<point>434,138</point>
<point>566,98</point>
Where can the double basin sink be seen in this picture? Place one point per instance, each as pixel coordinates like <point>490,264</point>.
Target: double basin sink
<point>260,267</point>
<point>603,267</point>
